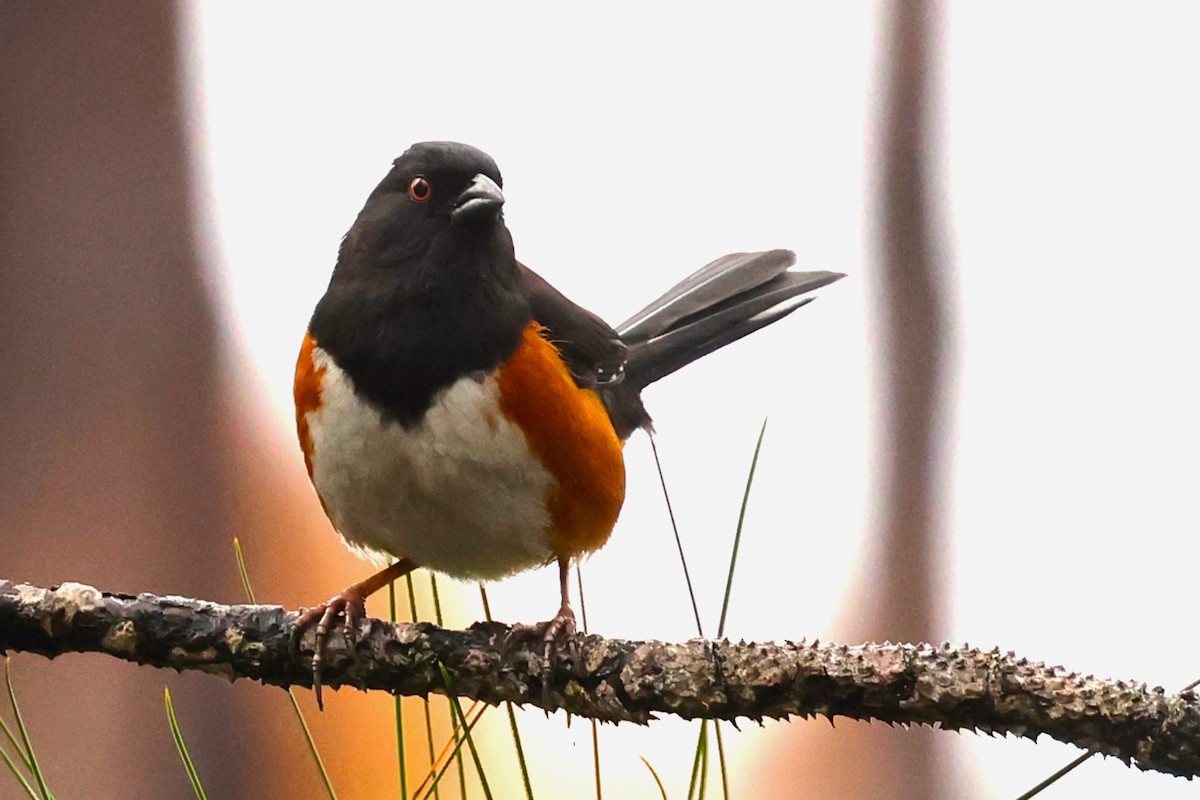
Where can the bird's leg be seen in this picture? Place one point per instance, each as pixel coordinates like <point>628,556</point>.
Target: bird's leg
<point>563,624</point>
<point>351,602</point>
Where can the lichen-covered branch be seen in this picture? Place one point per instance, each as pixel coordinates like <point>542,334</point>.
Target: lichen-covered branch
<point>616,680</point>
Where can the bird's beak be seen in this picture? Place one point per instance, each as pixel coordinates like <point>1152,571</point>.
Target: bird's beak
<point>482,196</point>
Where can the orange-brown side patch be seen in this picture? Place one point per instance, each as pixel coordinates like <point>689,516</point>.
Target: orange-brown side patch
<point>306,391</point>
<point>570,432</point>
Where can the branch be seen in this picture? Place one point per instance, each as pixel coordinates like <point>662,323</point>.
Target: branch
<point>615,680</point>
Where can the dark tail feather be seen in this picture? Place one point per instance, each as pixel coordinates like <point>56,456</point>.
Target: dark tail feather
<point>733,296</point>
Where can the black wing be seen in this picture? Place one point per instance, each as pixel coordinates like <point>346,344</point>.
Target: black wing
<point>593,351</point>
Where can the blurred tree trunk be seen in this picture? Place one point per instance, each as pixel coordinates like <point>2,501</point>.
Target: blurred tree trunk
<point>115,461</point>
<point>130,454</point>
<point>899,597</point>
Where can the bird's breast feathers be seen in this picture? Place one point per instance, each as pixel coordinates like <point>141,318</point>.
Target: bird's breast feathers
<point>504,472</point>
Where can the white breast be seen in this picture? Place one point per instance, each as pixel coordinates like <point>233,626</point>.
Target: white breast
<point>461,493</point>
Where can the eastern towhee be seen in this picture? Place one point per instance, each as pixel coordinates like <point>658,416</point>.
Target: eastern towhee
<point>456,412</point>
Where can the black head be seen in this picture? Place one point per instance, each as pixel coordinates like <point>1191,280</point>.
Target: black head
<point>438,197</point>
<point>435,176</point>
<point>426,285</point>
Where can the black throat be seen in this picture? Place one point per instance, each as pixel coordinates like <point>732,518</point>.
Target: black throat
<point>405,325</point>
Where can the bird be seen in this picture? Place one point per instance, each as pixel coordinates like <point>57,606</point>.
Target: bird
<point>457,412</point>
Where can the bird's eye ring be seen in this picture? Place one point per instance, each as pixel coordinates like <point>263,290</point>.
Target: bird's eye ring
<point>419,191</point>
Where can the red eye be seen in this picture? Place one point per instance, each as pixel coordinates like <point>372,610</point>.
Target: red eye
<point>419,190</point>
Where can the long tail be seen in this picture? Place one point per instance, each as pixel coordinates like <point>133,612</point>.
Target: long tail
<point>720,303</point>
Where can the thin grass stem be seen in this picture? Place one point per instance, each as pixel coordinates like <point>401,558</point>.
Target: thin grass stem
<point>412,607</point>
<point>12,739</point>
<point>441,623</point>
<point>457,710</point>
<point>508,706</point>
<point>188,765</point>
<point>438,769</point>
<point>16,771</point>
<point>699,763</point>
<point>30,757</point>
<point>661,789</point>
<point>721,759</point>
<point>398,709</point>
<point>687,576</point>
<point>737,537</point>
<point>244,575</point>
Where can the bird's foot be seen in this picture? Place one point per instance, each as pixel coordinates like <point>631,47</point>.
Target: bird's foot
<point>351,605</point>
<point>554,634</point>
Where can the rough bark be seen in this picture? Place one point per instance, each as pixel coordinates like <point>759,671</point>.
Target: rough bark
<point>614,680</point>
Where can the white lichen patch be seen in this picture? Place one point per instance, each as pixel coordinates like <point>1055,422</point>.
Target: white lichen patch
<point>407,634</point>
<point>121,639</point>
<point>30,595</point>
<point>66,601</point>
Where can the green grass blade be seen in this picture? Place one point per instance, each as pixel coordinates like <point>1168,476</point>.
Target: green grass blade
<point>508,706</point>
<point>721,759</point>
<point>737,537</point>
<point>1036,790</point>
<point>687,576</point>
<point>737,543</point>
<point>596,758</point>
<point>412,607</point>
<point>312,745</point>
<point>244,574</point>
<point>699,764</point>
<point>432,790</point>
<point>30,757</point>
<point>437,617</point>
<point>595,727</point>
<point>466,732</point>
<point>398,708</point>
<point>661,789</point>
<point>16,771</point>
<point>12,739</point>
<point>177,735</point>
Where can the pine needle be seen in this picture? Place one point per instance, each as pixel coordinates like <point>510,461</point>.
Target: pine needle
<point>699,765</point>
<point>442,763</point>
<point>737,536</point>
<point>508,706</point>
<point>437,617</point>
<point>412,607</point>
<point>398,708</point>
<point>687,577</point>
<point>244,574</point>
<point>466,732</point>
<point>12,740</point>
<point>29,757</point>
<point>661,789</point>
<point>721,759</point>
<point>16,771</point>
<point>177,735</point>
<point>595,727</point>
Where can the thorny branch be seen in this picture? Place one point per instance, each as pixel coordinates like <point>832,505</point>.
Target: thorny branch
<point>614,680</point>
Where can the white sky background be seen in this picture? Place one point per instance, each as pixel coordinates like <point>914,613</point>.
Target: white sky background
<point>637,145</point>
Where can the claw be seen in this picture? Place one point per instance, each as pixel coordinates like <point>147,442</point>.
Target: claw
<point>351,602</point>
<point>352,605</point>
<point>563,625</point>
<point>554,631</point>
